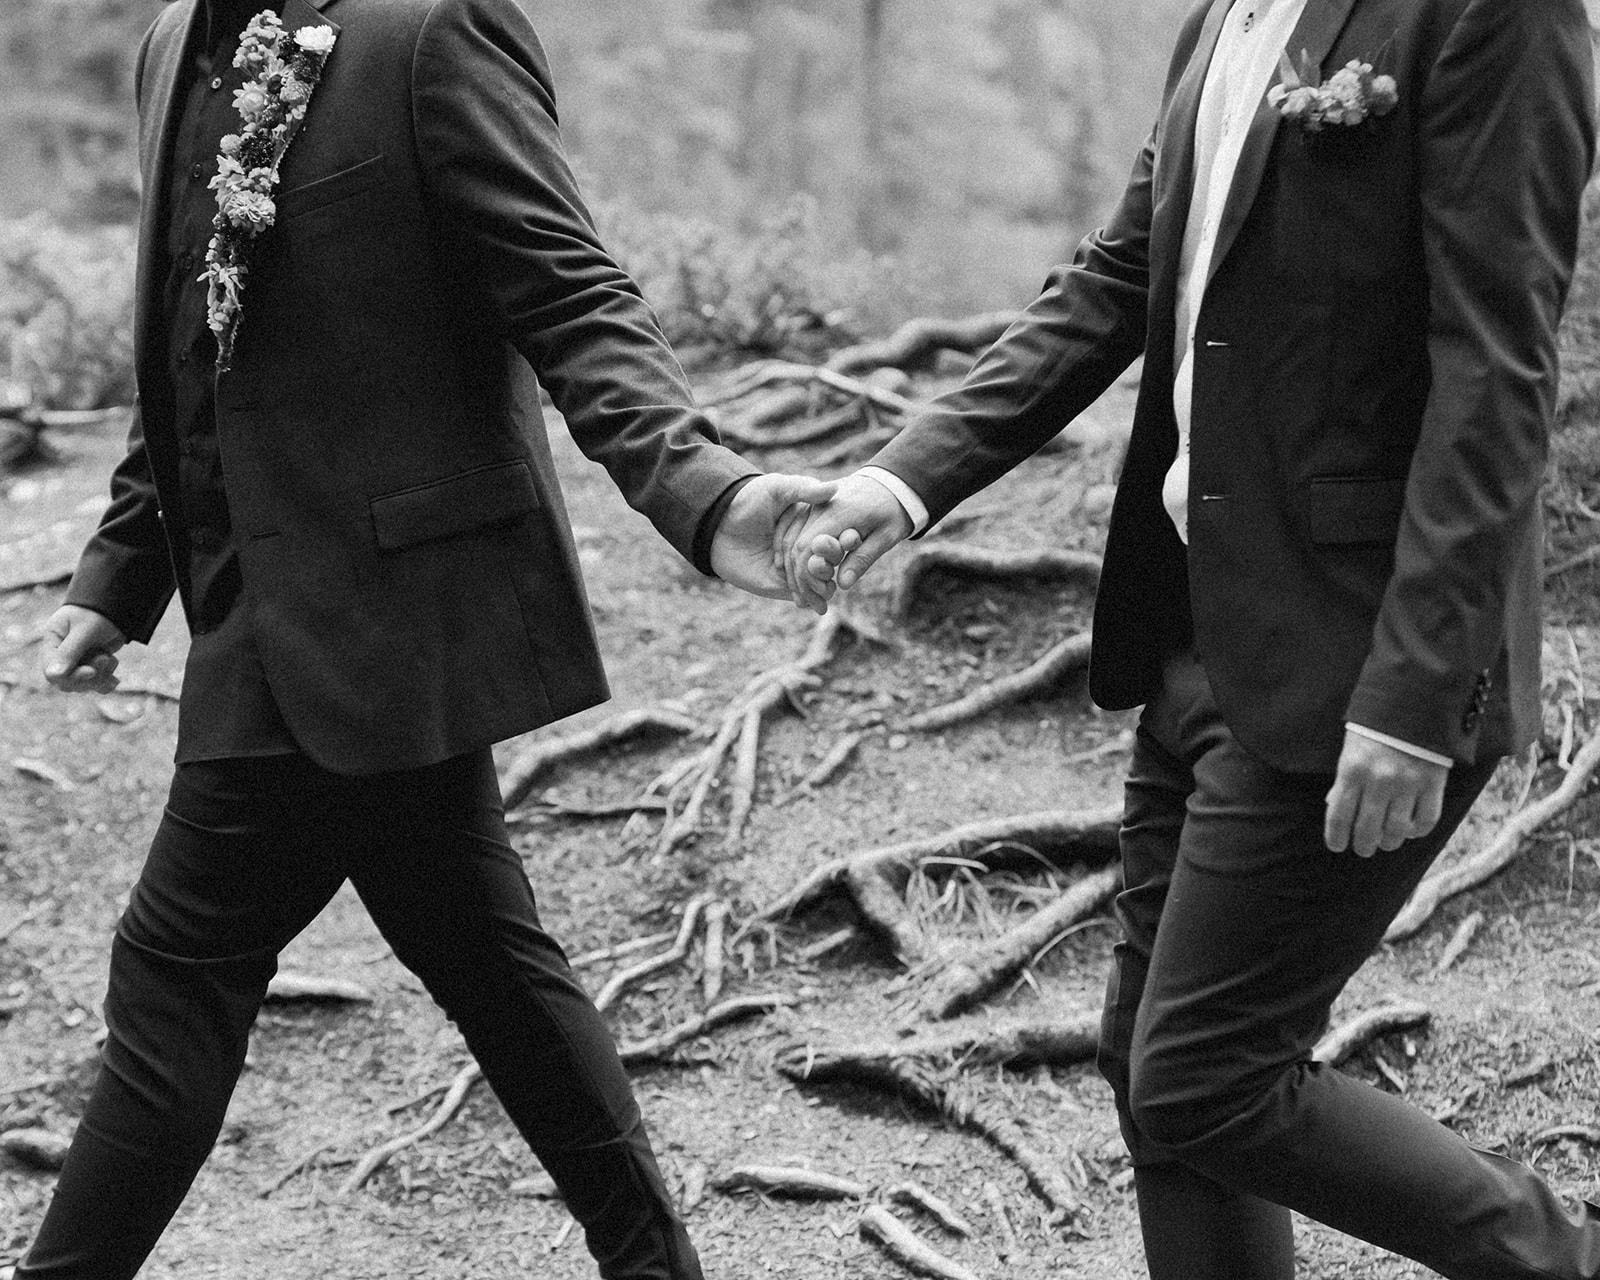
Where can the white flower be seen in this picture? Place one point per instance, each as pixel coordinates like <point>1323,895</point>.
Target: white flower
<point>231,143</point>
<point>315,39</point>
<point>250,101</point>
<point>251,211</point>
<point>294,90</point>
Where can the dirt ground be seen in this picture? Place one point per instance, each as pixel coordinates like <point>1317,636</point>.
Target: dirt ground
<point>1513,1046</point>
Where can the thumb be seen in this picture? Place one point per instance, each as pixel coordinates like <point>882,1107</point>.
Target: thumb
<point>861,558</point>
<point>785,490</point>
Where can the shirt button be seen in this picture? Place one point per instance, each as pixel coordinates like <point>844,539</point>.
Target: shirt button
<point>183,357</point>
<point>216,82</point>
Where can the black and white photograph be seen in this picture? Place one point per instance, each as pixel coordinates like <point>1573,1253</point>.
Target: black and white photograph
<point>813,639</point>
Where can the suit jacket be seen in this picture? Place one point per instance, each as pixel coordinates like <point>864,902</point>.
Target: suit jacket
<point>1374,383</point>
<point>408,567</point>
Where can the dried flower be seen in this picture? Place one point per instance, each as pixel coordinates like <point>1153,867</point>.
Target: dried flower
<point>1349,97</point>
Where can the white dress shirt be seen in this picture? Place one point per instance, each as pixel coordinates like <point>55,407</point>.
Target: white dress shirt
<point>1243,67</point>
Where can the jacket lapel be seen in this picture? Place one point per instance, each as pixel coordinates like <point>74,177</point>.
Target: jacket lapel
<point>159,93</point>
<point>1314,34</point>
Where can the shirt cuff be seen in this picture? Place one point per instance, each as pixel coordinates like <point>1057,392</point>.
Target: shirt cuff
<point>903,493</point>
<point>1421,753</point>
<point>706,532</point>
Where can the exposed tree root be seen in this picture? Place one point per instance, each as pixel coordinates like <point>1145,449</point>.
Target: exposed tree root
<point>518,779</point>
<point>656,1048</point>
<point>918,1080</point>
<point>744,774</point>
<point>689,782</point>
<point>37,1148</point>
<point>1575,1132</point>
<point>1060,835</point>
<point>51,577</point>
<point>904,1246</point>
<point>1055,564</point>
<point>644,968</point>
<point>1444,883</point>
<point>379,1156</point>
<point>1346,1039</point>
<point>916,1196</point>
<point>826,769</point>
<point>1010,1246</point>
<point>1056,1042</point>
<point>790,1180</point>
<point>921,339</point>
<point>1048,671</point>
<point>288,987</point>
<point>954,984</point>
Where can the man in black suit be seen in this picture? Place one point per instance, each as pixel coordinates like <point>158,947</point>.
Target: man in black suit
<point>1342,254</point>
<point>357,507</point>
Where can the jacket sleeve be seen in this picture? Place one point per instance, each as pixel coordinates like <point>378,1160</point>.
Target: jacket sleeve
<point>125,572</point>
<point>498,177</point>
<point>1079,334</point>
<point>1506,141</point>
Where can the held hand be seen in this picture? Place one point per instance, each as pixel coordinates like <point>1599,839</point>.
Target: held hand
<point>744,548</point>
<point>84,658</point>
<point>1381,797</point>
<point>845,538</point>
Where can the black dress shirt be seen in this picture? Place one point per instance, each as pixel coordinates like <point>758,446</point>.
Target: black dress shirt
<point>227,707</point>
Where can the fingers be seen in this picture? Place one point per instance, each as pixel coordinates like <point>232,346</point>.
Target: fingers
<point>83,659</point>
<point>864,554</point>
<point>95,675</point>
<point>1381,797</point>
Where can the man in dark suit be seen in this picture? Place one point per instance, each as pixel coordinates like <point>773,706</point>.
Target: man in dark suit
<point>1322,577</point>
<point>362,520</point>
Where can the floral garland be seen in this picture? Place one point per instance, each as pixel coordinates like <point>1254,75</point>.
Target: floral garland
<point>1349,97</point>
<point>272,105</point>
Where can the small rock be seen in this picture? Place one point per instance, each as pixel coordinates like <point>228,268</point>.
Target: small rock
<point>539,1186</point>
<point>898,742</point>
<point>890,379</point>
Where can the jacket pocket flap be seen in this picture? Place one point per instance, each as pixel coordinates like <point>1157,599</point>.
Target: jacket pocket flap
<point>335,186</point>
<point>1340,509</point>
<point>454,505</point>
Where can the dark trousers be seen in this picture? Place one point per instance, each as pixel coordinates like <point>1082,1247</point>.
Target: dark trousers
<point>247,853</point>
<point>1239,930</point>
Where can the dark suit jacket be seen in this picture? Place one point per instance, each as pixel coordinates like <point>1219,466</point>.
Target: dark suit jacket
<point>407,562</point>
<point>1374,383</point>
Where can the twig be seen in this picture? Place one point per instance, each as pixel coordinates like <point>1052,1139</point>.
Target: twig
<point>716,937</point>
<point>1446,882</point>
<point>1576,1132</point>
<point>1047,671</point>
<point>908,1249</point>
<point>621,949</point>
<point>1587,556</point>
<point>1460,940</point>
<point>288,987</point>
<point>27,917</point>
<point>1010,1246</point>
<point>835,760</point>
<point>1340,1042</point>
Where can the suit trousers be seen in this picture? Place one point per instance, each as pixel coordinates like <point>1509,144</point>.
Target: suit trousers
<point>247,852</point>
<point>1239,929</point>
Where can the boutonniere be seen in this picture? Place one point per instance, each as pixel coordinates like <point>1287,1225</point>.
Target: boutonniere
<point>282,71</point>
<point>1349,97</point>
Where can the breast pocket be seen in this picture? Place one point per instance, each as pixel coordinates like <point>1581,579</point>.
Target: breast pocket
<point>331,189</point>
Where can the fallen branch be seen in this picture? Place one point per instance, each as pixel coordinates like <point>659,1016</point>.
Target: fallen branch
<point>1341,1042</point>
<point>922,338</point>
<point>792,1181</point>
<point>1048,671</point>
<point>961,981</point>
<point>1056,564</point>
<point>518,779</point>
<point>918,1197</point>
<point>737,1009</point>
<point>1470,871</point>
<point>904,1246</point>
<point>1060,835</point>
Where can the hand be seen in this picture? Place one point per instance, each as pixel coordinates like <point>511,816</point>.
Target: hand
<point>84,658</point>
<point>1381,797</point>
<point>742,549</point>
<point>843,539</point>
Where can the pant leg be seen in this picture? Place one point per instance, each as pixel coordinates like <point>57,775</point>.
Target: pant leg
<point>434,867</point>
<point>223,889</point>
<point>1261,929</point>
<point>1193,1227</point>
